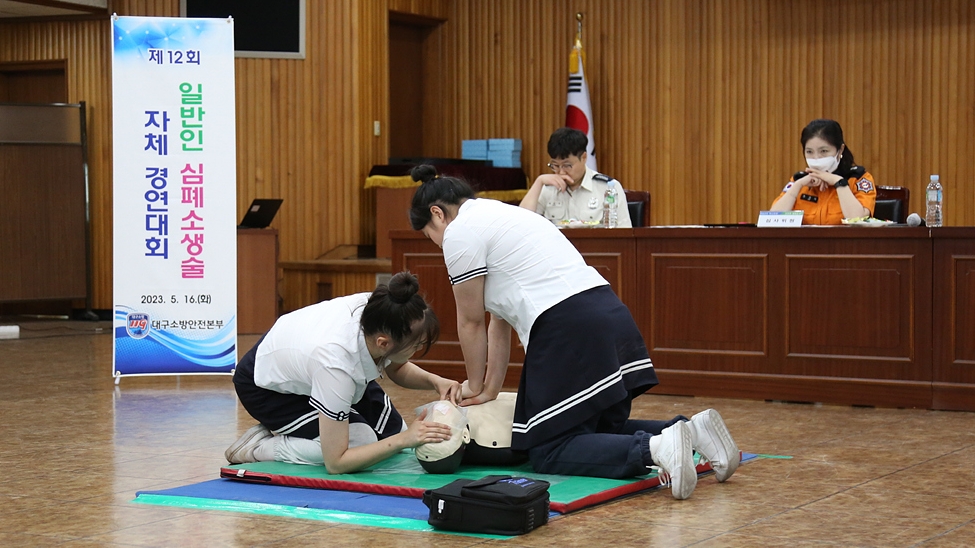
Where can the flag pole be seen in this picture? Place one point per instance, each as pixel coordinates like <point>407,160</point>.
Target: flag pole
<point>578,109</point>
<point>577,55</point>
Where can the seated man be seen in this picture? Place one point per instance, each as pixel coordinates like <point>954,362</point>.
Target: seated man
<point>573,191</point>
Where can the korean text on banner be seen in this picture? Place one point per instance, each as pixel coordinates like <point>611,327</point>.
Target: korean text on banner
<point>175,202</point>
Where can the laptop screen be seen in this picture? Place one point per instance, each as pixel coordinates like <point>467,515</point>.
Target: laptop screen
<point>260,213</point>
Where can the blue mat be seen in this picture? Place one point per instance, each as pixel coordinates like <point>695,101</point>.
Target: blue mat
<point>403,513</point>
<point>299,497</point>
<point>352,507</point>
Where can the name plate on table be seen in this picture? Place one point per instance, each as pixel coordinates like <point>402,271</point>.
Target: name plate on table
<point>780,218</point>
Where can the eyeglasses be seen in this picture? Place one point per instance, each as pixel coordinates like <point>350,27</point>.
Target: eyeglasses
<point>556,167</point>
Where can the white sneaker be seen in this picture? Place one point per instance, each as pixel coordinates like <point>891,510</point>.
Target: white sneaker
<point>242,450</point>
<point>713,441</point>
<point>675,457</point>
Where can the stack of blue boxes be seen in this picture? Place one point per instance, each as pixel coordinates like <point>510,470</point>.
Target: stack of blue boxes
<point>475,149</point>
<point>505,152</point>
<point>502,152</point>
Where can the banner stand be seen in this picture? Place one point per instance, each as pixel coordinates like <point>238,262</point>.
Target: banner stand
<point>174,196</point>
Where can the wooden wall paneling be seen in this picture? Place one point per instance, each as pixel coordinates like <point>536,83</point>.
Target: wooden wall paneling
<point>43,223</point>
<point>663,133</point>
<point>772,285</point>
<point>303,287</point>
<point>725,337</point>
<point>885,335</point>
<point>404,132</point>
<point>963,345</point>
<point>692,64</point>
<point>699,102</point>
<point>82,46</point>
<point>436,9</point>
<point>614,259</point>
<point>881,328</point>
<point>372,26</point>
<point>257,279</point>
<point>959,84</point>
<point>371,91</point>
<point>549,44</point>
<point>33,86</point>
<point>706,321</point>
<point>953,320</point>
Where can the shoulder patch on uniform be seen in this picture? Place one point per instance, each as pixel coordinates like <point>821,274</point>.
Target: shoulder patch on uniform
<point>864,185</point>
<point>601,177</point>
<point>787,186</point>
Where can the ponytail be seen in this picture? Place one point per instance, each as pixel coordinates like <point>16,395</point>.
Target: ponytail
<point>397,310</point>
<point>435,190</point>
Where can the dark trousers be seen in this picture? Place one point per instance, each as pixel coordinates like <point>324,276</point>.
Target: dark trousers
<point>608,445</point>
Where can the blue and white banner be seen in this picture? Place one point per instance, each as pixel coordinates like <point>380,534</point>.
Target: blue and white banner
<point>175,196</point>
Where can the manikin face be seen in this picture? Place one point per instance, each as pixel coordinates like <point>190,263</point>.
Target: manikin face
<point>573,166</point>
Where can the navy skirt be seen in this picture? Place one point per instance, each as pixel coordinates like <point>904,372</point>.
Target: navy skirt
<point>293,415</point>
<point>585,355</point>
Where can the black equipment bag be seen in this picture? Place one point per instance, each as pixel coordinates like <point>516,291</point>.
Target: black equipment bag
<point>499,505</point>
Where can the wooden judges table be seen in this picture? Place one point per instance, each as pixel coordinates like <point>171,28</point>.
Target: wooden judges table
<point>850,315</point>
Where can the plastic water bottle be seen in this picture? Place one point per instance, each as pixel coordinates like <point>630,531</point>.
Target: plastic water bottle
<point>934,196</point>
<point>611,204</point>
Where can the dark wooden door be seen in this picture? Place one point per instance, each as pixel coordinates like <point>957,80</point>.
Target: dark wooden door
<point>33,83</point>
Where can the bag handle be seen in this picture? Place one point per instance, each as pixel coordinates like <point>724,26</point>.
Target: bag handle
<point>486,480</point>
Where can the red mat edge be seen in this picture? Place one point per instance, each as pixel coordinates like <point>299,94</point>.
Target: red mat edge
<point>415,492</point>
<point>610,494</point>
<point>319,483</point>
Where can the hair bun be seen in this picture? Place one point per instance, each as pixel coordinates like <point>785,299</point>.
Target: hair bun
<point>402,287</point>
<point>423,173</point>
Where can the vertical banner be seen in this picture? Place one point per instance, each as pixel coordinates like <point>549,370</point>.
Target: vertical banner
<point>174,196</point>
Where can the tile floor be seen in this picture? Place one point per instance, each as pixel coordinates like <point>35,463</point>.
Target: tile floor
<point>74,449</point>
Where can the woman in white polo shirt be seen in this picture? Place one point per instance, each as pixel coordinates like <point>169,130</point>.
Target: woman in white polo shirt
<point>310,381</point>
<point>585,359</point>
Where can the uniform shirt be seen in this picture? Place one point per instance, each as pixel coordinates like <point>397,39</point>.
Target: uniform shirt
<point>319,351</point>
<point>528,265</point>
<point>584,204</point>
<point>823,208</point>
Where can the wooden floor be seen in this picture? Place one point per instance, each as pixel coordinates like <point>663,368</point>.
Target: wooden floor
<point>74,449</point>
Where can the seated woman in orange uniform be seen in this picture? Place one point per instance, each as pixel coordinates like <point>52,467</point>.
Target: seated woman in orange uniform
<point>832,187</point>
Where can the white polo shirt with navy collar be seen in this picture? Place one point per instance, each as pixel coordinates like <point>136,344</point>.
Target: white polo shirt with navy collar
<point>528,264</point>
<point>319,351</point>
<point>584,203</point>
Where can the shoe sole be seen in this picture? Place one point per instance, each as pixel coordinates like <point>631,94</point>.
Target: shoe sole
<point>231,453</point>
<point>716,428</point>
<point>684,482</point>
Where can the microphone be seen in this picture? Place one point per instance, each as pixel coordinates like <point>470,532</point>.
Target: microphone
<point>915,220</point>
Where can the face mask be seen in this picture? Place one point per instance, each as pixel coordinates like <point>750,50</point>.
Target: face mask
<point>827,164</point>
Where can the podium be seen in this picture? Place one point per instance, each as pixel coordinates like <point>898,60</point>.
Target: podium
<point>394,193</point>
<point>392,213</point>
<point>257,280</point>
